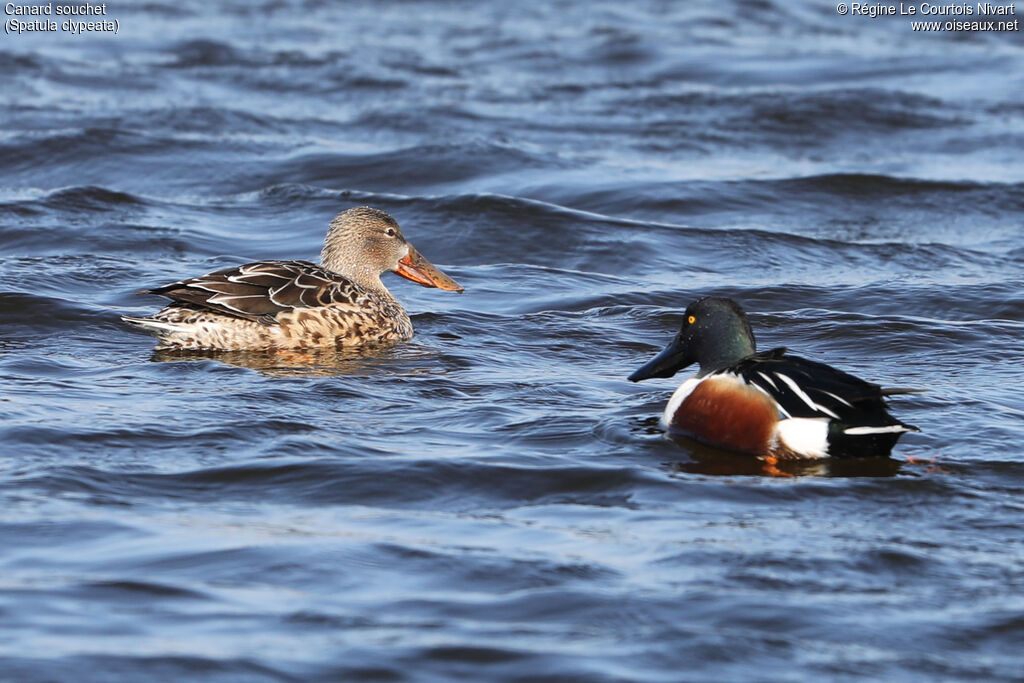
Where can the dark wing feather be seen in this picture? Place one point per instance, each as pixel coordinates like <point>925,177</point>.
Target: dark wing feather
<point>806,388</point>
<point>261,290</point>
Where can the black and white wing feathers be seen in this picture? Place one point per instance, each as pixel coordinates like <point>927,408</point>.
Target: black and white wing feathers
<point>260,290</point>
<point>806,388</point>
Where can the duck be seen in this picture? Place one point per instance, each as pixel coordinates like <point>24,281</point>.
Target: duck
<point>268,305</point>
<point>773,405</point>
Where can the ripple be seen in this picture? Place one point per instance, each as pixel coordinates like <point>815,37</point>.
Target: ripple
<point>199,53</point>
<point>493,499</point>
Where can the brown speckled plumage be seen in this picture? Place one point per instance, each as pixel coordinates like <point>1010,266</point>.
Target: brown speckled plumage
<point>297,304</point>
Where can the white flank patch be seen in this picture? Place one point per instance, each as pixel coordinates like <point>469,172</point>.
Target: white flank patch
<point>767,378</point>
<point>888,429</point>
<point>803,396</point>
<point>807,436</point>
<point>684,390</point>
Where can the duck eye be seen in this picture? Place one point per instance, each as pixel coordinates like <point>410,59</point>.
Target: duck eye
<point>691,319</point>
<point>390,232</point>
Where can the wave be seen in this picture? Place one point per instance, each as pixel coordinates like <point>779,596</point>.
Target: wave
<point>367,477</point>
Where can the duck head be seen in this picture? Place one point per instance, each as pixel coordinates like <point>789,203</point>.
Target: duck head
<point>715,334</point>
<point>363,242</point>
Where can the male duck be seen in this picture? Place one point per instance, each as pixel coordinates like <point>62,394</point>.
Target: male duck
<point>293,304</point>
<point>771,404</point>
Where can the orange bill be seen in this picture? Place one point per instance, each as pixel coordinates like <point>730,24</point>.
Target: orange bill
<point>418,269</point>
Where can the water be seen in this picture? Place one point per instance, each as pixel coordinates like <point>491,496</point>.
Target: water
<point>493,500</point>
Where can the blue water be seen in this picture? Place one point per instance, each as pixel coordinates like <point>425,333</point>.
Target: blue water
<point>493,500</point>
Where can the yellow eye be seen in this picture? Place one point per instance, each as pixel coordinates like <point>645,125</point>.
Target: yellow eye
<point>692,319</point>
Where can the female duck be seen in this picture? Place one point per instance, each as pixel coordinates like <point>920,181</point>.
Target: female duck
<point>294,304</point>
<point>768,404</point>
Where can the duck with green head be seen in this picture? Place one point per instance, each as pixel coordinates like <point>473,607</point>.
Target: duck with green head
<point>769,404</point>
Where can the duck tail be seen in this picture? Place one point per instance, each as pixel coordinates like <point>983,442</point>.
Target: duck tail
<point>152,325</point>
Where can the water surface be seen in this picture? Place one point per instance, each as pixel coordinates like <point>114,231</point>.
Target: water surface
<point>493,500</point>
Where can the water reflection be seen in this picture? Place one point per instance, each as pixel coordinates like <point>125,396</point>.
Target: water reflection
<point>707,460</point>
<point>683,455</point>
<point>316,362</point>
